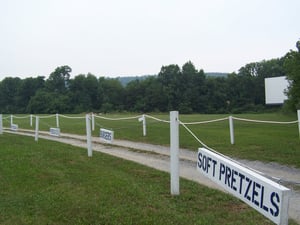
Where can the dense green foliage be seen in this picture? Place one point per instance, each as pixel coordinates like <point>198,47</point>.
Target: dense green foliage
<point>186,89</point>
<point>292,66</point>
<point>53,183</point>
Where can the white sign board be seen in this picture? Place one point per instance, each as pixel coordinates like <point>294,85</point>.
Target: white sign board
<point>269,198</point>
<point>55,132</point>
<point>14,127</point>
<point>106,135</point>
<point>275,88</point>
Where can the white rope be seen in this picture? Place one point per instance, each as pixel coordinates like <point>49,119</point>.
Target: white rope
<point>201,142</point>
<point>72,117</point>
<point>209,121</point>
<point>21,117</point>
<point>276,179</point>
<point>115,119</point>
<point>44,117</point>
<point>160,120</point>
<point>264,121</point>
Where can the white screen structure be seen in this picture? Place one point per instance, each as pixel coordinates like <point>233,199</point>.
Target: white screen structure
<point>274,90</point>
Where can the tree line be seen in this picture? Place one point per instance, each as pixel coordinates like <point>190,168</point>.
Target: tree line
<point>185,89</point>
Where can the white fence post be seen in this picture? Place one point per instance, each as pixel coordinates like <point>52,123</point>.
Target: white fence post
<point>1,124</point>
<point>231,127</point>
<point>144,125</point>
<point>57,120</point>
<point>36,137</point>
<point>31,120</point>
<point>93,121</point>
<point>143,120</point>
<point>11,120</point>
<point>174,152</point>
<point>88,135</point>
<point>298,112</point>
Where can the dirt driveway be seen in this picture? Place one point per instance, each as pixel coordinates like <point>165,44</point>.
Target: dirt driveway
<point>158,157</point>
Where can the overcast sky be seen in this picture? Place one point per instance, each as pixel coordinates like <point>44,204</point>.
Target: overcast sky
<point>136,37</point>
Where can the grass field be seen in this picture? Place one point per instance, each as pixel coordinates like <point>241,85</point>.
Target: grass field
<point>254,141</point>
<point>46,182</point>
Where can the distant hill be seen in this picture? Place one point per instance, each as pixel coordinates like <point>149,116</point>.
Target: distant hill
<point>125,80</point>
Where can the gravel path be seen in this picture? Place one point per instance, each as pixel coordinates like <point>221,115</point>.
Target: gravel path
<point>158,157</point>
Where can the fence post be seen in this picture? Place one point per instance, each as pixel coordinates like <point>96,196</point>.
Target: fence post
<point>11,120</point>
<point>298,112</point>
<point>31,120</point>
<point>143,120</point>
<point>231,127</point>
<point>57,120</point>
<point>174,152</point>
<point>36,137</point>
<point>88,135</point>
<point>93,121</point>
<point>144,125</point>
<point>1,124</point>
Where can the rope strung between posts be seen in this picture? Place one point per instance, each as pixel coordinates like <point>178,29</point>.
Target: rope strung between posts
<point>21,117</point>
<point>209,121</point>
<point>44,117</point>
<point>72,117</point>
<point>276,179</point>
<point>264,121</point>
<point>157,119</point>
<point>117,128</point>
<point>115,119</point>
<point>6,118</point>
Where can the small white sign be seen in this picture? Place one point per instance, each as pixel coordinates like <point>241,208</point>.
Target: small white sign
<point>14,127</point>
<point>55,132</point>
<point>106,135</point>
<point>267,197</point>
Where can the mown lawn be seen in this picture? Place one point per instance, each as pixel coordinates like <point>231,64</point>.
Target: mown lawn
<point>46,182</point>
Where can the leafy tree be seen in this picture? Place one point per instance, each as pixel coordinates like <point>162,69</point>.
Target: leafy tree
<point>27,89</point>
<point>169,76</point>
<point>58,80</point>
<point>185,89</point>
<point>199,90</point>
<point>292,66</point>
<point>135,96</point>
<point>84,93</point>
<point>112,94</point>
<point>155,100</point>
<point>8,95</point>
<point>48,102</point>
<point>216,95</point>
<point>192,89</point>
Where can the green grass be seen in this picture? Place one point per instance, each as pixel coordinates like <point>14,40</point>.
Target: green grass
<point>254,141</point>
<point>46,182</point>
